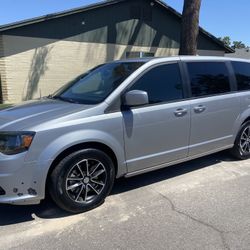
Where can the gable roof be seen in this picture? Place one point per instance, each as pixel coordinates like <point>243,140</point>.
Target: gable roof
<point>22,23</point>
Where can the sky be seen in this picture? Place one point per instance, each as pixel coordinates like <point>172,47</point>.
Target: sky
<point>219,17</point>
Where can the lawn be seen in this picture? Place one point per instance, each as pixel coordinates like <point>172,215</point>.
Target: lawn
<point>3,106</point>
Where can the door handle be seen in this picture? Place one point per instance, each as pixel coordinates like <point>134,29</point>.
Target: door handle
<point>199,109</point>
<point>180,112</point>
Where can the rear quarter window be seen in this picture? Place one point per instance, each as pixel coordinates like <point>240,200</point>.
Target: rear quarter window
<point>242,74</point>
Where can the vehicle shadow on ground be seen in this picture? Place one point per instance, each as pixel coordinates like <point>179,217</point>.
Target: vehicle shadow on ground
<point>48,210</point>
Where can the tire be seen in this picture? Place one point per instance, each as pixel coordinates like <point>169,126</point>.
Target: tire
<point>82,180</point>
<point>241,149</point>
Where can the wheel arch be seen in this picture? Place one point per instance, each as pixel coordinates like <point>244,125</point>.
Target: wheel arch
<point>96,145</point>
<point>93,144</point>
<point>246,120</point>
<point>242,118</point>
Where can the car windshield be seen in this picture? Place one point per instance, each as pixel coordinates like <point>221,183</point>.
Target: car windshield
<point>97,84</point>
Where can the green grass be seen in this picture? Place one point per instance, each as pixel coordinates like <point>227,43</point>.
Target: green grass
<point>3,106</point>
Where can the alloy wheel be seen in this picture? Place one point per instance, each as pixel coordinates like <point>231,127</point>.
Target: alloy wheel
<point>86,180</point>
<point>245,140</point>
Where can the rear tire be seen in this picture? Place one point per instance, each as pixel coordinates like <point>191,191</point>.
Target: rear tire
<point>241,149</point>
<point>82,180</point>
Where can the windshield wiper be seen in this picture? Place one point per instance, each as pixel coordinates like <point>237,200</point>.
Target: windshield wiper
<point>50,96</point>
<point>63,99</point>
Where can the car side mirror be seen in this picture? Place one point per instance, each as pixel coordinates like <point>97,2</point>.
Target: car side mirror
<point>135,98</point>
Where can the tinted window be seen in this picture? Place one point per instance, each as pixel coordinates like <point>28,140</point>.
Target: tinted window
<point>242,73</point>
<point>162,83</point>
<point>94,86</point>
<point>208,78</point>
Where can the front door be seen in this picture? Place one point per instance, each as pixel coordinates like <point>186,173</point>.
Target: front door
<point>157,133</point>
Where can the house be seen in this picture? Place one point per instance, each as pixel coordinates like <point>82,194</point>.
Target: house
<point>241,53</point>
<point>39,55</point>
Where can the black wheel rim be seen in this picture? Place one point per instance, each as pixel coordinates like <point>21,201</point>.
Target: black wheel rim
<point>86,180</point>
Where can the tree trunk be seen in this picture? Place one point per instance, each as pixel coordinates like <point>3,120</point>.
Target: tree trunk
<point>190,27</point>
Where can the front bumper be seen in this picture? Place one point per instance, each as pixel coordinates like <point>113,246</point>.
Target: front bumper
<point>19,180</point>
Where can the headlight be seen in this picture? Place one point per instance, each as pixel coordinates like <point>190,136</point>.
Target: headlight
<point>15,142</point>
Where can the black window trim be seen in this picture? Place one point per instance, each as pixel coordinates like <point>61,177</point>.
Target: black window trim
<point>232,77</point>
<point>188,82</point>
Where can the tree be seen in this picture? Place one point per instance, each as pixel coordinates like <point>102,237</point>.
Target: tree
<point>190,27</point>
<point>238,45</point>
<point>226,40</point>
<point>234,45</point>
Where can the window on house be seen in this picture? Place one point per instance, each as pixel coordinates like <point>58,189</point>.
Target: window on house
<point>137,54</point>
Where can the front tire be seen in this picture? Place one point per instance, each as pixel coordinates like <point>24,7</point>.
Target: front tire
<point>82,180</point>
<point>241,149</point>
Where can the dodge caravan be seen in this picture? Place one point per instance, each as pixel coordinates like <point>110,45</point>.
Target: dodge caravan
<point>122,118</point>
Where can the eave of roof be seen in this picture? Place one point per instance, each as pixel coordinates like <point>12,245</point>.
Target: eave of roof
<point>99,5</point>
<point>57,15</point>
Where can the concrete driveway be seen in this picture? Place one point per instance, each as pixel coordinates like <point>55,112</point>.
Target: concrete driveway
<point>202,204</point>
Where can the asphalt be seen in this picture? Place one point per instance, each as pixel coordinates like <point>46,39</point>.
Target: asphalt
<point>202,204</point>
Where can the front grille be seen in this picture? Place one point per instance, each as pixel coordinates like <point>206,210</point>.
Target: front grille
<point>2,191</point>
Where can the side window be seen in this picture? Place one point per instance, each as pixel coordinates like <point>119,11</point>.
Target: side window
<point>242,73</point>
<point>162,83</point>
<point>208,78</point>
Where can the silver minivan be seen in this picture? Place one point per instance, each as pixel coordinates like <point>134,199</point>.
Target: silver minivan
<point>119,119</point>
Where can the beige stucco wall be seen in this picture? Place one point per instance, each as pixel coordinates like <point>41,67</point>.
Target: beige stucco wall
<point>45,65</point>
<point>3,81</point>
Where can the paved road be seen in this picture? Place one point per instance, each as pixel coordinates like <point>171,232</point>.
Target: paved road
<point>203,204</point>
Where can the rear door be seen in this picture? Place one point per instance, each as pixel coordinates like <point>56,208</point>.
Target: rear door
<point>214,107</point>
